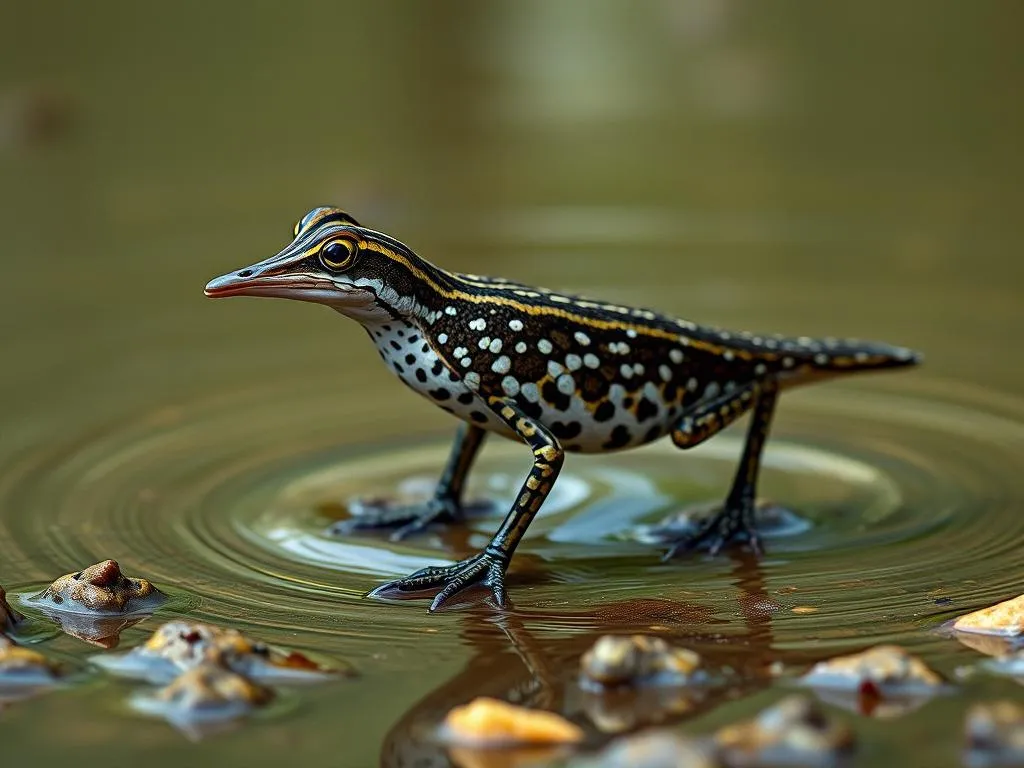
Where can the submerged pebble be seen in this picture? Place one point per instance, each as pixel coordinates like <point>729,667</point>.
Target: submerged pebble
<point>492,722</point>
<point>23,667</point>
<point>1005,619</point>
<point>182,645</point>
<point>8,616</point>
<point>100,588</point>
<point>794,731</point>
<point>994,734</point>
<point>208,692</point>
<point>637,660</point>
<point>651,749</point>
<point>884,681</point>
<point>887,668</point>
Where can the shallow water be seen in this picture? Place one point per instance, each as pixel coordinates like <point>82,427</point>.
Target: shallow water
<point>751,170</point>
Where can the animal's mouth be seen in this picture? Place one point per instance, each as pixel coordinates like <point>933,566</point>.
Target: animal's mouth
<point>248,282</point>
<point>301,287</point>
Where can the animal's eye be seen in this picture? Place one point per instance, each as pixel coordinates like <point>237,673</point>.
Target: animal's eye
<point>338,254</point>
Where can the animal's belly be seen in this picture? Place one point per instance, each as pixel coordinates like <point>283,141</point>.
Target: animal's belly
<point>624,419</point>
<point>621,419</point>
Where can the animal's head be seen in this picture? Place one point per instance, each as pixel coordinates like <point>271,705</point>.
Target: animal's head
<point>335,261</point>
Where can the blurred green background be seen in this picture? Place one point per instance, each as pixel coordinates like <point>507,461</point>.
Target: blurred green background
<point>806,168</point>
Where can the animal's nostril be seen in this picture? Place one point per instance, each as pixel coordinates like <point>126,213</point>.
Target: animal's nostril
<point>245,273</point>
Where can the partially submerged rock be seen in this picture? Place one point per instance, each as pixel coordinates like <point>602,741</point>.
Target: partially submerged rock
<point>178,646</point>
<point>205,694</point>
<point>792,732</point>
<point>100,588</point>
<point>637,660</point>
<point>9,617</point>
<point>882,671</point>
<point>994,734</point>
<point>651,749</point>
<point>98,603</point>
<point>1005,619</point>
<point>21,667</point>
<point>494,723</point>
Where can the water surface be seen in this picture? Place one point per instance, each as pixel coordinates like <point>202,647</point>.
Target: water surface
<point>754,169</point>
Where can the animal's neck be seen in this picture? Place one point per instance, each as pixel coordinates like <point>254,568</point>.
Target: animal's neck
<point>414,292</point>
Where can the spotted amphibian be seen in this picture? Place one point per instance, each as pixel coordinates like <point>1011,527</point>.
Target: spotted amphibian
<point>556,372</point>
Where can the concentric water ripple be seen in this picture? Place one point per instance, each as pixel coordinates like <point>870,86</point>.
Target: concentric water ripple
<point>911,500</point>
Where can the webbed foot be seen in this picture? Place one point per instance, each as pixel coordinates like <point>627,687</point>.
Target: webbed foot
<point>406,519</point>
<point>486,569</point>
<point>731,523</point>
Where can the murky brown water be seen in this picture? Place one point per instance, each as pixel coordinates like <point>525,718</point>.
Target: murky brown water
<point>793,169</point>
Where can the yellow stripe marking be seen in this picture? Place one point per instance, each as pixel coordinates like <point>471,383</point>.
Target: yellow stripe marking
<point>531,309</point>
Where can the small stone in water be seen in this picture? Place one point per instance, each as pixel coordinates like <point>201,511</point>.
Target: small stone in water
<point>99,588</point>
<point>182,645</point>
<point>1005,619</point>
<point>887,667</point>
<point>618,660</point>
<point>792,732</point>
<point>884,681</point>
<point>206,692</point>
<point>652,749</point>
<point>994,733</point>
<point>491,722</point>
<point>22,667</point>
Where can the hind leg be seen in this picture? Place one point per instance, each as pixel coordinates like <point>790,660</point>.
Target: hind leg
<point>444,507</point>
<point>735,520</point>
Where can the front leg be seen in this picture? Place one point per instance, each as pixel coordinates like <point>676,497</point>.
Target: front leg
<point>488,567</point>
<point>444,507</point>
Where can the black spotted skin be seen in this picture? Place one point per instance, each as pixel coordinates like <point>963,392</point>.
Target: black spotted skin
<point>555,371</point>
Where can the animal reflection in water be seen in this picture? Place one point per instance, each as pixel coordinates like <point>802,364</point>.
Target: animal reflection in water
<point>514,663</point>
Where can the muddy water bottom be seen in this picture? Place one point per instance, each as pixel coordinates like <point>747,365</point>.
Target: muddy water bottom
<point>907,518</point>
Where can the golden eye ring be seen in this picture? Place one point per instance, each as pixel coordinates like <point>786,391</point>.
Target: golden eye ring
<point>338,254</point>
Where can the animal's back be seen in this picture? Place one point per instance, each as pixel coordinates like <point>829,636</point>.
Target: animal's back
<point>603,376</point>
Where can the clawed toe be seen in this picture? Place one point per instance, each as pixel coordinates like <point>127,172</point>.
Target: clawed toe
<point>486,570</point>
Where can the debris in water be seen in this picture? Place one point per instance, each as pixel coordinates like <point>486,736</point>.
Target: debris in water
<point>792,732</point>
<point>651,749</point>
<point>204,698</point>
<point>994,732</point>
<point>884,681</point>
<point>638,660</point>
<point>491,722</point>
<point>178,646</point>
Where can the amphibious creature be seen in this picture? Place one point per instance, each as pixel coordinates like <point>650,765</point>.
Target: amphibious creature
<point>557,372</point>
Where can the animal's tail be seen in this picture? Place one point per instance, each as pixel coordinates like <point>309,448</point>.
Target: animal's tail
<point>835,355</point>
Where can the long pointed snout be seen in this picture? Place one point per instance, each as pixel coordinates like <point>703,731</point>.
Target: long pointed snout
<point>271,278</point>
<point>234,283</point>
<point>278,279</point>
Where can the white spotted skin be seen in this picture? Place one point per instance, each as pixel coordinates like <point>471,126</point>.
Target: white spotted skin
<point>596,387</point>
<point>396,340</point>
